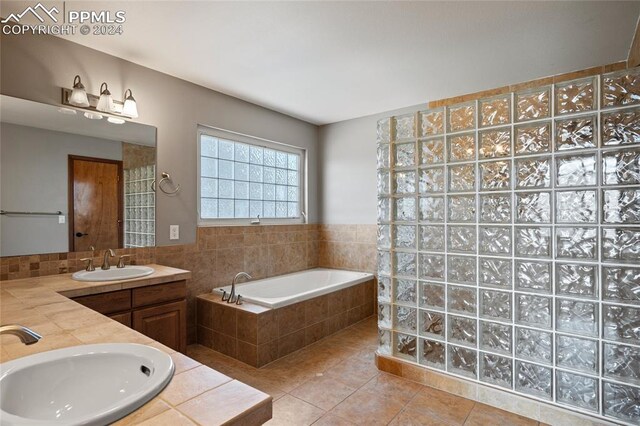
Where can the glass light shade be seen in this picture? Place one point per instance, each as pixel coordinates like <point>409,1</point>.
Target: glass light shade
<point>130,108</point>
<point>105,103</point>
<point>78,94</point>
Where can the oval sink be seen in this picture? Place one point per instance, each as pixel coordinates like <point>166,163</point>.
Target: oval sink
<point>81,385</point>
<point>113,273</point>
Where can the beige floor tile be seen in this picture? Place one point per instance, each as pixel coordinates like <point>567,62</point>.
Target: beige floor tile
<point>483,414</point>
<point>323,392</point>
<point>332,420</point>
<point>338,374</point>
<point>449,408</point>
<point>291,411</point>
<point>366,408</point>
<point>409,417</point>
<point>393,387</point>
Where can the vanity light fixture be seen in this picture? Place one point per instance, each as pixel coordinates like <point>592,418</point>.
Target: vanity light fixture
<point>105,103</point>
<point>115,120</point>
<point>78,94</point>
<point>130,108</point>
<point>102,105</point>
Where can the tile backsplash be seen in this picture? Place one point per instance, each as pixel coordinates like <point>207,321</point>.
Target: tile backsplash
<point>508,245</point>
<point>221,252</point>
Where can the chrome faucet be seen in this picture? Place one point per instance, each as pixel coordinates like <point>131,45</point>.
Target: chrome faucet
<point>26,335</point>
<point>232,296</point>
<point>105,262</point>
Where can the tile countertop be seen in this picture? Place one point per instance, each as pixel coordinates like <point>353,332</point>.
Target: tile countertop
<point>197,394</point>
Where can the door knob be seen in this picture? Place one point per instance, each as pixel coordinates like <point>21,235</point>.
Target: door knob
<point>80,234</point>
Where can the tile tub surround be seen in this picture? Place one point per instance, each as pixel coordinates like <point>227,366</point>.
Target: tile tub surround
<point>196,394</point>
<point>508,244</point>
<point>351,247</point>
<point>257,335</point>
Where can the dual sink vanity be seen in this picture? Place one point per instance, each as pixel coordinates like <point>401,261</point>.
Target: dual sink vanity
<point>108,350</point>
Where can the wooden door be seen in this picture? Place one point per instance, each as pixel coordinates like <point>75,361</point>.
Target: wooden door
<point>166,324</point>
<point>95,203</point>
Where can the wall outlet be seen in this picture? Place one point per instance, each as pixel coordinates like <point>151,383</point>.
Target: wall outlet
<point>62,218</point>
<point>174,232</point>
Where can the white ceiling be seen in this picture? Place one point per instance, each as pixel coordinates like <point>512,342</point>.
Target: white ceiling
<point>330,61</point>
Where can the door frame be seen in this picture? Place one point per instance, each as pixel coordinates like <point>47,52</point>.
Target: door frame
<point>70,197</point>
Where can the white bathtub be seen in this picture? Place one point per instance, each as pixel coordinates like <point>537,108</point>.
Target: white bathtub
<point>287,289</point>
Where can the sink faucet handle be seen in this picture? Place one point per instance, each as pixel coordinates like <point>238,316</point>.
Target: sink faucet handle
<point>89,266</point>
<point>121,263</point>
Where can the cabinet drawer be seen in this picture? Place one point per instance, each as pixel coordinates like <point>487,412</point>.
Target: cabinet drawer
<point>151,295</point>
<point>122,318</point>
<point>107,303</point>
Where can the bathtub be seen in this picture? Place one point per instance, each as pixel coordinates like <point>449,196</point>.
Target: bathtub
<point>284,290</point>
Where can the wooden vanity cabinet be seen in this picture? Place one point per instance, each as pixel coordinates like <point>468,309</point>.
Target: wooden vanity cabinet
<point>158,311</point>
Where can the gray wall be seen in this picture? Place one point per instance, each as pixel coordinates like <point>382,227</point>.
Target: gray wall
<point>35,67</point>
<point>348,161</point>
<point>34,170</point>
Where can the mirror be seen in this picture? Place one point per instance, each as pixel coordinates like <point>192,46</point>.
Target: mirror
<point>68,182</point>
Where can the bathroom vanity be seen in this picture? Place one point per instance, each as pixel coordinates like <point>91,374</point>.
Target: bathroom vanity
<point>150,310</point>
<point>158,311</point>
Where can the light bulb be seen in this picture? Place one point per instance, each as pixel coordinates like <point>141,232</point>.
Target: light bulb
<point>130,108</point>
<point>93,115</point>
<point>78,94</point>
<point>67,111</point>
<point>105,103</point>
<point>115,120</point>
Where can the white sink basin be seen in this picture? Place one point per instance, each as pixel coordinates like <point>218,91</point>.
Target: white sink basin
<point>113,273</point>
<point>81,385</point>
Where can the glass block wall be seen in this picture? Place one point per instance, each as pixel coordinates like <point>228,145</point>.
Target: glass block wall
<point>509,242</point>
<point>139,207</point>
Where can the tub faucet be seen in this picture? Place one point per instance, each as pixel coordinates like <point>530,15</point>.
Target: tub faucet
<point>26,335</point>
<point>105,261</point>
<point>232,296</point>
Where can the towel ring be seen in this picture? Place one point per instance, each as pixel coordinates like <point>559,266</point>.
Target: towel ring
<point>165,177</point>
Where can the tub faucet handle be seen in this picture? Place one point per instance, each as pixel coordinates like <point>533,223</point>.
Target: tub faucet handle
<point>225,298</point>
<point>239,300</point>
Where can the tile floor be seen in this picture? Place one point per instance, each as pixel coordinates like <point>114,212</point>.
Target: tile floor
<point>335,382</point>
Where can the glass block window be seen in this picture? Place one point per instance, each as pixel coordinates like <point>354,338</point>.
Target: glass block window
<point>514,224</point>
<point>245,178</point>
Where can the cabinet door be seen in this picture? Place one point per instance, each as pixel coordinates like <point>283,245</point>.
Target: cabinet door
<point>166,324</point>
